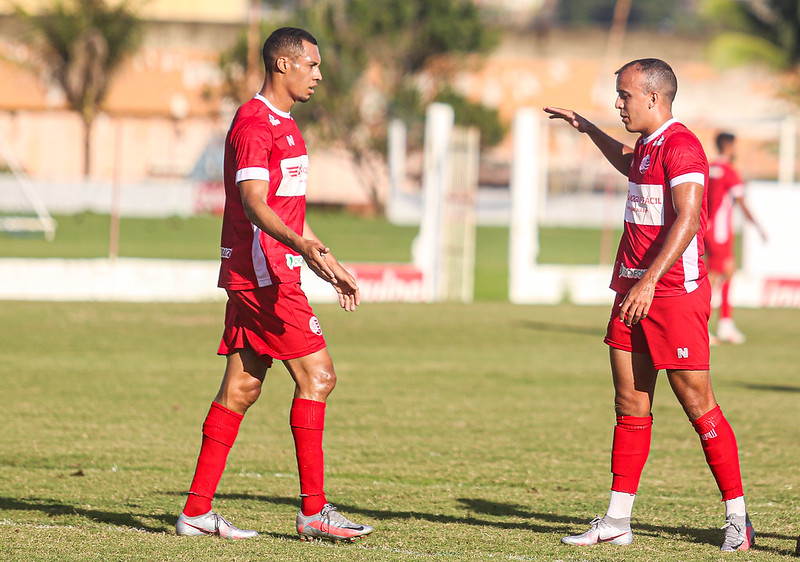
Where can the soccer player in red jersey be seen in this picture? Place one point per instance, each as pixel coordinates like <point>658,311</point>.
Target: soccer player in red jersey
<point>659,319</point>
<point>725,189</point>
<point>265,239</point>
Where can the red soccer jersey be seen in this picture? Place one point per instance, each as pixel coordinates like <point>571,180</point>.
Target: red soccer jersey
<point>263,143</point>
<point>667,158</point>
<point>724,186</point>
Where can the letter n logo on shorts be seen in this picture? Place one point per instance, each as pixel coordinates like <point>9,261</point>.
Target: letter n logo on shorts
<point>683,353</point>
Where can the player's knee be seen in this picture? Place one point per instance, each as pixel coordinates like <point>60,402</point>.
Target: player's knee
<point>324,380</point>
<point>629,405</point>
<point>244,395</point>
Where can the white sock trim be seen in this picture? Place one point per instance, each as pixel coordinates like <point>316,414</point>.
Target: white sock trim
<point>620,505</point>
<point>735,507</point>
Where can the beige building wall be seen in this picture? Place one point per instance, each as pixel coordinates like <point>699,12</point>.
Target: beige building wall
<point>222,11</point>
<point>164,105</point>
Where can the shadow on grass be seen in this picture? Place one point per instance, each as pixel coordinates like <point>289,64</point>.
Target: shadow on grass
<point>54,508</point>
<point>766,387</point>
<point>480,512</point>
<point>599,331</point>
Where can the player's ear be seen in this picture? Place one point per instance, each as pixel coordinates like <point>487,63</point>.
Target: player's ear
<point>282,64</point>
<point>653,100</point>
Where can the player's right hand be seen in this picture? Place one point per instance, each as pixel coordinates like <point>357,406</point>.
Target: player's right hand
<point>578,122</point>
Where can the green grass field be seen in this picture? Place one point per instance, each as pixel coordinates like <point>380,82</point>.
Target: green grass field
<point>459,432</point>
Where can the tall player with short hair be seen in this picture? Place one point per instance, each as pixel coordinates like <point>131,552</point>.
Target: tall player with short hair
<point>725,190</point>
<point>265,239</point>
<point>660,315</point>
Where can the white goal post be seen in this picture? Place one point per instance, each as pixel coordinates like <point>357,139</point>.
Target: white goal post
<point>33,219</point>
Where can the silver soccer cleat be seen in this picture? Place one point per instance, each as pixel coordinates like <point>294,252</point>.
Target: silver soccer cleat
<point>210,524</point>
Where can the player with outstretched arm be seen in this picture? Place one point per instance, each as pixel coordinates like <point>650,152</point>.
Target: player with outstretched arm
<point>659,319</point>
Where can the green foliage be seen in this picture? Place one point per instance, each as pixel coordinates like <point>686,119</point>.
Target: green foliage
<point>593,12</point>
<point>733,49</point>
<point>392,38</point>
<point>766,32</point>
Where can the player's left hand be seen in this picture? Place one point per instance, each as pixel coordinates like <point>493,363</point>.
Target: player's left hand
<point>636,303</point>
<point>345,285</point>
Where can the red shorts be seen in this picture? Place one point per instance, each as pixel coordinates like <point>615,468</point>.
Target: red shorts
<point>719,255</point>
<point>674,334</point>
<point>275,321</point>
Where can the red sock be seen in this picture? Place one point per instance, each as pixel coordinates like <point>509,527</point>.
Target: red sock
<point>722,453</point>
<point>219,433</point>
<point>629,452</point>
<point>725,309</point>
<point>307,420</point>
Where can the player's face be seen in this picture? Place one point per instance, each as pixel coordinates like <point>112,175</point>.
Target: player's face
<point>303,73</point>
<point>632,102</point>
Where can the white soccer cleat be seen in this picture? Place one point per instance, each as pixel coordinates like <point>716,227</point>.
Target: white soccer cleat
<point>739,533</point>
<point>727,332</point>
<point>602,531</point>
<point>210,524</point>
<point>329,524</point>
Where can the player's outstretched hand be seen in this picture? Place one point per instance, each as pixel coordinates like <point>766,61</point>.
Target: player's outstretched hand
<point>580,123</point>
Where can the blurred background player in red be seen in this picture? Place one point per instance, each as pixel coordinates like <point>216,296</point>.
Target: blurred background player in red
<point>264,242</point>
<point>725,190</point>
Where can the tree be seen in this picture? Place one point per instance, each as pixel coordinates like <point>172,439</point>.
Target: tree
<point>83,42</point>
<point>763,31</point>
<point>642,14</point>
<point>389,41</point>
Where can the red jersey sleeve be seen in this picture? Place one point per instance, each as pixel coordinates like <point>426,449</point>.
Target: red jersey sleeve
<point>684,160</point>
<point>252,143</point>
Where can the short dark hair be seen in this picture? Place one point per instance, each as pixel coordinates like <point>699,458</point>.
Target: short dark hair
<point>658,76</point>
<point>724,139</point>
<point>286,41</point>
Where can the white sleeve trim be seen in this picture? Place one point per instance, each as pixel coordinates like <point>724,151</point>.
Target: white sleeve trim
<point>252,174</point>
<point>693,177</point>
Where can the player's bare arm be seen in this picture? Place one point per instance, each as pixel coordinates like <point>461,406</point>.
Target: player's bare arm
<point>749,216</point>
<point>254,199</point>
<point>617,153</point>
<point>345,284</point>
<point>687,199</point>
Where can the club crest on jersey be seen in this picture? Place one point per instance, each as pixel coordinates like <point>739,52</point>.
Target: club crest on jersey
<point>645,163</point>
<point>293,261</point>
<point>274,120</point>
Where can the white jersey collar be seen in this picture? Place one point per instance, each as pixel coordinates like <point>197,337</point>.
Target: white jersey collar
<point>272,107</point>
<point>660,130</point>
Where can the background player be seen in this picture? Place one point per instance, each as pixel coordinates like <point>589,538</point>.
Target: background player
<point>660,315</point>
<point>725,189</point>
<point>264,241</point>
